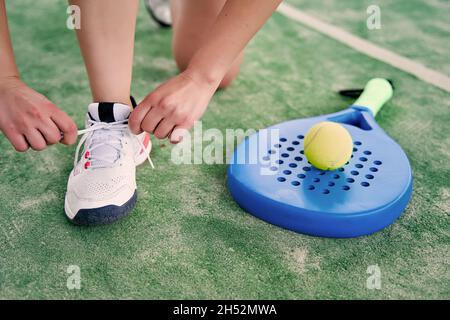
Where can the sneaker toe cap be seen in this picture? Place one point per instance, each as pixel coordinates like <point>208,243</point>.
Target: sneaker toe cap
<point>104,214</point>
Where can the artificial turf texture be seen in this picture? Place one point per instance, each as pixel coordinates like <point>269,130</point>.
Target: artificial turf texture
<point>186,237</point>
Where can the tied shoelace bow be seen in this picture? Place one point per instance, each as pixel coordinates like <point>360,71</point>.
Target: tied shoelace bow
<point>105,134</point>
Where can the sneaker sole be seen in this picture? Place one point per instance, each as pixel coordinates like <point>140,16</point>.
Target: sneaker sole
<point>103,215</point>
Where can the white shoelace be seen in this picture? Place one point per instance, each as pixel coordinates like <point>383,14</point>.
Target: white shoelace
<point>100,134</point>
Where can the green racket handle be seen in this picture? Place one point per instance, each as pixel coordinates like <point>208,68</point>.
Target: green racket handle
<point>376,93</point>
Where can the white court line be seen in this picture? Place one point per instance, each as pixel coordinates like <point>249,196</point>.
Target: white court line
<point>368,48</point>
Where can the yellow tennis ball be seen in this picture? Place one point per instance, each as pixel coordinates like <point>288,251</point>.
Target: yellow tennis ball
<point>328,145</point>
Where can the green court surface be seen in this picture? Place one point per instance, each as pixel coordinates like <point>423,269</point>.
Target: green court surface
<point>186,237</point>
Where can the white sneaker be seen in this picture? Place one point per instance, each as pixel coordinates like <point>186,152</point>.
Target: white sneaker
<point>102,186</point>
<point>160,12</point>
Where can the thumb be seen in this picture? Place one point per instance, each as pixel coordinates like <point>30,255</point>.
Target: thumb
<point>67,127</point>
<point>138,115</point>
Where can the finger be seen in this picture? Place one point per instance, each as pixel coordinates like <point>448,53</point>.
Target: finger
<point>36,140</point>
<point>151,120</point>
<point>179,133</point>
<point>138,115</point>
<point>51,132</point>
<point>164,128</point>
<point>18,141</point>
<point>66,126</point>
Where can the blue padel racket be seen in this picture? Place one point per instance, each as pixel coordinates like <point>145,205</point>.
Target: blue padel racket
<point>364,196</point>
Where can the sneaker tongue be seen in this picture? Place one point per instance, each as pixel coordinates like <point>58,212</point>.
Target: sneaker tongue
<point>109,111</point>
<point>103,155</point>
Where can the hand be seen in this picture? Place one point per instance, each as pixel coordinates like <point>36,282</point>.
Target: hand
<point>28,119</point>
<point>174,106</point>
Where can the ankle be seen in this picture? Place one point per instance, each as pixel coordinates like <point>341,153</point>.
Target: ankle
<point>114,99</point>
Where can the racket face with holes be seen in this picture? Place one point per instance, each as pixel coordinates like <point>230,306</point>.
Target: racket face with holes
<point>364,196</point>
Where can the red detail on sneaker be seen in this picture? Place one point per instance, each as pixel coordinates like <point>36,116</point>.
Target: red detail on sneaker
<point>146,142</point>
<point>87,154</point>
<point>87,164</point>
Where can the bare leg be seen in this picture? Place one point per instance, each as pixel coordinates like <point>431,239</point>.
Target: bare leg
<point>107,41</point>
<point>190,21</point>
